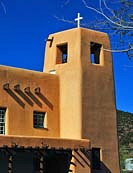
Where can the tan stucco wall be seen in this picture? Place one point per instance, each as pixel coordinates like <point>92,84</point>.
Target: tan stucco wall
<point>87,100</point>
<point>98,100</point>
<point>19,118</point>
<point>70,81</point>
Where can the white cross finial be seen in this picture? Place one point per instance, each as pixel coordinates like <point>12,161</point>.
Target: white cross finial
<point>78,20</point>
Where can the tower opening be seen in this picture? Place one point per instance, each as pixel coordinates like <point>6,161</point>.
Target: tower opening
<point>95,49</point>
<point>62,53</point>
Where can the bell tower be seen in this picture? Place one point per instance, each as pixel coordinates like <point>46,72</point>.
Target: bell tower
<point>83,63</point>
<point>63,57</point>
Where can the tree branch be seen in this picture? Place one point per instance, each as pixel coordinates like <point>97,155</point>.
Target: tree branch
<point>3,6</point>
<point>106,17</point>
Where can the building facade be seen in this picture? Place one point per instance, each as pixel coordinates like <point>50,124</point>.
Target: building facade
<point>63,119</point>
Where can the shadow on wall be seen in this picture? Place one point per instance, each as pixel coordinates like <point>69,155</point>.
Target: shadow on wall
<point>32,96</point>
<point>13,95</point>
<point>103,169</point>
<point>21,93</point>
<point>45,100</point>
<point>27,96</point>
<point>100,167</point>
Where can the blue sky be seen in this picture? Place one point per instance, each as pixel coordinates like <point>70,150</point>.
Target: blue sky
<point>25,27</point>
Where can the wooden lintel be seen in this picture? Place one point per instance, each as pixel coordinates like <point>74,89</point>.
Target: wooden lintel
<point>43,143</point>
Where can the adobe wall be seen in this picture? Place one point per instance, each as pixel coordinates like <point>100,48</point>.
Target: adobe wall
<point>69,80</point>
<point>98,101</point>
<point>20,106</point>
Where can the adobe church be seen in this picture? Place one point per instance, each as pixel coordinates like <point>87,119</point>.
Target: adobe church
<point>63,119</point>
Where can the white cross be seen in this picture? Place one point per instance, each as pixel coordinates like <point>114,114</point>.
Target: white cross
<point>78,20</point>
